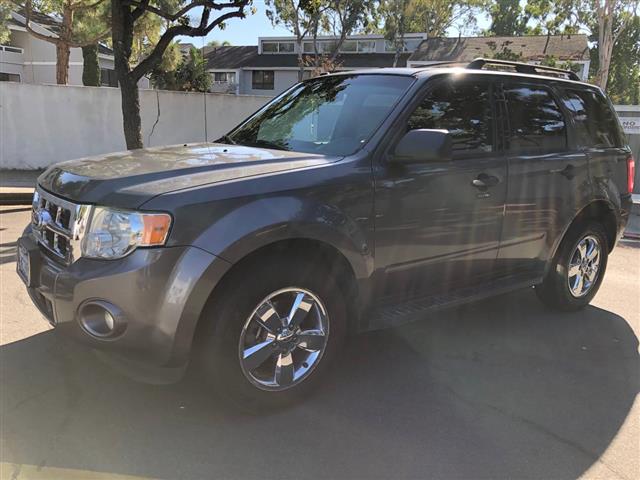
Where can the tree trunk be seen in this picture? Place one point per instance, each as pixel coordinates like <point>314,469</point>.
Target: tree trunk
<point>300,61</point>
<point>62,63</point>
<point>605,48</point>
<point>131,120</point>
<point>122,39</point>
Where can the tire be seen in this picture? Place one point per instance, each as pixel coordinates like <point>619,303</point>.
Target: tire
<point>232,319</point>
<point>561,290</point>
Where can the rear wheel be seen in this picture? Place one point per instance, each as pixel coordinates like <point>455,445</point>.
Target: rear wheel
<point>273,330</point>
<point>577,270</point>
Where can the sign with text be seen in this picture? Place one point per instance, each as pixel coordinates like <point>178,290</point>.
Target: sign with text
<point>631,125</point>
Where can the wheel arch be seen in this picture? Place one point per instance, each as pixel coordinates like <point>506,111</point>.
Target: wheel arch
<point>598,210</point>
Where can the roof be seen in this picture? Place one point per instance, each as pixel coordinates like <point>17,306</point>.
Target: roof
<point>528,47</point>
<point>50,23</point>
<point>248,57</point>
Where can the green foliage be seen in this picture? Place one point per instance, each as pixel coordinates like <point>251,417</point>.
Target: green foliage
<point>623,85</point>
<point>508,18</point>
<point>217,43</point>
<point>190,75</point>
<point>90,66</point>
<point>5,15</point>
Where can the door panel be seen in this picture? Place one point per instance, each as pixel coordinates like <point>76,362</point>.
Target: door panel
<point>435,230</point>
<point>548,177</point>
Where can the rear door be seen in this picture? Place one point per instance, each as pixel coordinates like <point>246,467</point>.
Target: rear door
<point>548,175</point>
<point>599,134</point>
<point>435,230</point>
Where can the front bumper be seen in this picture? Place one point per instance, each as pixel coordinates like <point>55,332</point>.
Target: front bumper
<point>161,293</point>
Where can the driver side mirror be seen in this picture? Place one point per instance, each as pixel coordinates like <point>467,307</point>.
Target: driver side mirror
<point>423,146</point>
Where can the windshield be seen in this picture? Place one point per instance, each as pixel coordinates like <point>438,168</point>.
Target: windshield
<point>333,115</point>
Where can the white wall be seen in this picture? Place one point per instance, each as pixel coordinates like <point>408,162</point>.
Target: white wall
<point>45,124</point>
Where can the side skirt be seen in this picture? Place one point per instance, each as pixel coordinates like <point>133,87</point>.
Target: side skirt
<point>395,314</point>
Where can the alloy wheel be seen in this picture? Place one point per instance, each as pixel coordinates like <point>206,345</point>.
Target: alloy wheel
<point>584,266</point>
<point>283,339</point>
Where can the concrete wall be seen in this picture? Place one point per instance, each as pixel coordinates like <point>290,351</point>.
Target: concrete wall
<point>45,124</point>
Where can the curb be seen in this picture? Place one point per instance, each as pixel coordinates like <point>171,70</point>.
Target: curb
<point>16,196</point>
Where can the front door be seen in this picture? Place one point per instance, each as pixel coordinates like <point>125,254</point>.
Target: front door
<point>438,223</point>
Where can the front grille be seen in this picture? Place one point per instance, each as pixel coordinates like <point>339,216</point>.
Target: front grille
<point>53,222</point>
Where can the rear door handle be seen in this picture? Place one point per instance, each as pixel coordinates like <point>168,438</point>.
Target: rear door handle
<point>484,181</point>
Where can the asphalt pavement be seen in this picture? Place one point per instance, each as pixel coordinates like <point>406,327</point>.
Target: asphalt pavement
<point>500,389</point>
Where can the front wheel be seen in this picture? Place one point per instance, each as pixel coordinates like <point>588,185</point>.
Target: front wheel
<point>577,270</point>
<point>275,328</point>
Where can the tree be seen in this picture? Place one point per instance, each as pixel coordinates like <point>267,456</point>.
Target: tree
<point>192,18</point>
<point>434,17</point>
<point>508,19</point>
<point>607,20</point>
<point>82,23</point>
<point>300,17</point>
<point>623,84</point>
<point>191,75</point>
<point>5,15</point>
<point>397,20</point>
<point>343,18</point>
<point>217,43</point>
<point>90,66</point>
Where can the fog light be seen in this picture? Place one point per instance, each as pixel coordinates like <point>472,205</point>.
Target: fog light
<point>101,319</point>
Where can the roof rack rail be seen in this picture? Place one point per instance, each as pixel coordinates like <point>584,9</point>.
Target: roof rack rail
<point>520,67</point>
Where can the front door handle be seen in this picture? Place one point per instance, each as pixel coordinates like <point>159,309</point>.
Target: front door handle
<point>484,181</point>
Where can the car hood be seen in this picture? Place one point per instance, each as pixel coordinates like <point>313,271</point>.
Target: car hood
<point>128,179</point>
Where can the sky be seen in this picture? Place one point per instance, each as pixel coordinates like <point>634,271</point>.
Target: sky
<point>246,31</point>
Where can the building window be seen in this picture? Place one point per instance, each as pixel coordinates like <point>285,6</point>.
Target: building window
<point>278,47</point>
<point>262,80</point>
<point>324,46</point>
<point>366,46</point>
<point>224,77</point>
<point>410,45</point>
<point>349,46</point>
<point>9,77</point>
<point>108,78</point>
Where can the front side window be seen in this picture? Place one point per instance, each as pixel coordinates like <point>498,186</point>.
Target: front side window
<point>332,115</point>
<point>536,124</point>
<point>262,80</point>
<point>596,125</point>
<point>464,109</point>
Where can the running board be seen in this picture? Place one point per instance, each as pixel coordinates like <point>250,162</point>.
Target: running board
<point>400,313</point>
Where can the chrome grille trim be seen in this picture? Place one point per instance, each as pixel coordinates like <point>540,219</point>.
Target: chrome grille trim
<point>58,224</point>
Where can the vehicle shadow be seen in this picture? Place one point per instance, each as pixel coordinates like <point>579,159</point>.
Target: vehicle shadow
<point>497,389</point>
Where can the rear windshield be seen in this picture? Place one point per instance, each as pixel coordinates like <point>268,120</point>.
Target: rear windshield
<point>595,122</point>
<point>332,115</point>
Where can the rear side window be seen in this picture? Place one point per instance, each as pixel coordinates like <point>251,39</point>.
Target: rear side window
<point>536,123</point>
<point>595,123</point>
<point>464,110</point>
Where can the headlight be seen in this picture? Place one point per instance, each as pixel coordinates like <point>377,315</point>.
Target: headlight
<point>116,233</point>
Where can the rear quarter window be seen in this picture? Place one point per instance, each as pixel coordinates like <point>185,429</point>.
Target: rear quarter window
<point>595,122</point>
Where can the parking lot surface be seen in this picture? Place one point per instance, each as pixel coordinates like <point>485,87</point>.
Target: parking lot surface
<point>497,389</point>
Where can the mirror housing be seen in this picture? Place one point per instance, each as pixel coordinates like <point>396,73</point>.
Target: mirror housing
<point>423,146</point>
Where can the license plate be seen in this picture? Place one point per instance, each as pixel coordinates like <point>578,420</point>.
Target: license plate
<point>24,264</point>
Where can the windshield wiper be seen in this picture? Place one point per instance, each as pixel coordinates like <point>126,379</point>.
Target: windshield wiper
<point>226,139</point>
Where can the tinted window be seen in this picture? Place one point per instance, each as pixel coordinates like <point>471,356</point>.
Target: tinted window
<point>595,123</point>
<point>462,109</point>
<point>332,115</point>
<point>536,123</point>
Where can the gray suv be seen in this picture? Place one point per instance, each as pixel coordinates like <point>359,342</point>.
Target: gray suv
<point>351,202</point>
